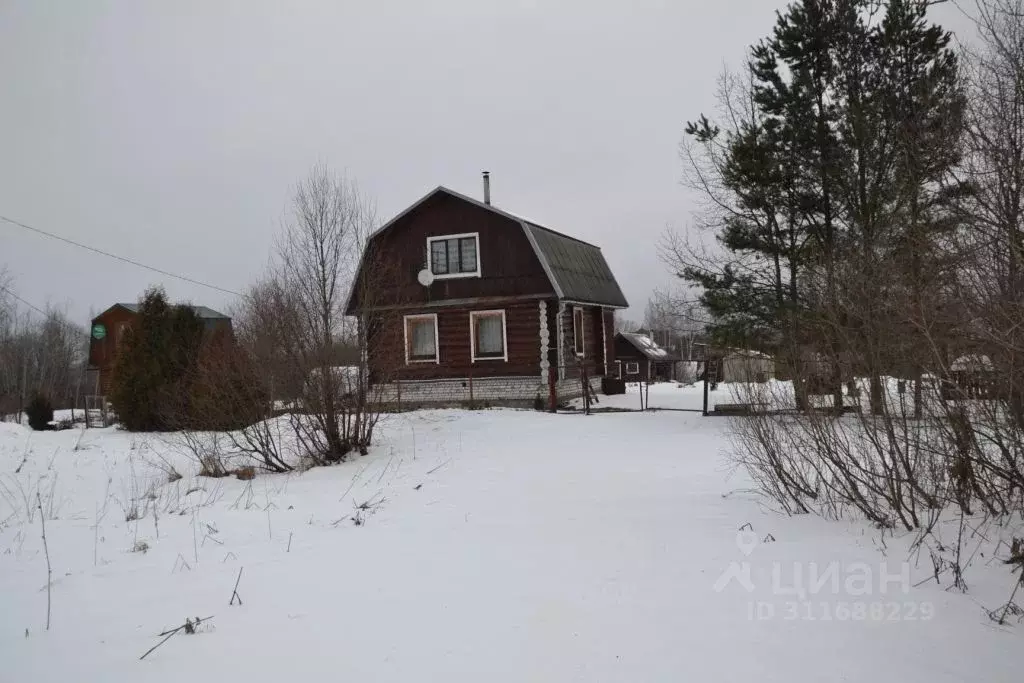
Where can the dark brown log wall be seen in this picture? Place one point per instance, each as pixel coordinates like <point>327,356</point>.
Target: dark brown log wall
<point>627,353</point>
<point>593,354</point>
<point>103,352</point>
<point>522,322</point>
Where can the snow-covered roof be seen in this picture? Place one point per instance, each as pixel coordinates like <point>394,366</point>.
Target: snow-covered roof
<point>646,346</point>
<point>748,353</point>
<point>971,363</point>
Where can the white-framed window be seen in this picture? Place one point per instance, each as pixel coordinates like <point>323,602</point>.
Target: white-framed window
<point>577,330</point>
<point>421,338</point>
<point>451,256</point>
<point>487,337</point>
<point>633,368</point>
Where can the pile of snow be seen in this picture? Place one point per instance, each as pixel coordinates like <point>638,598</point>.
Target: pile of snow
<point>469,545</point>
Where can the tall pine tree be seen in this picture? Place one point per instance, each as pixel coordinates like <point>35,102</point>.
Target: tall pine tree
<point>833,186</point>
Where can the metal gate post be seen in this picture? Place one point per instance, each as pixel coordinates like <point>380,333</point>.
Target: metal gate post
<point>706,371</point>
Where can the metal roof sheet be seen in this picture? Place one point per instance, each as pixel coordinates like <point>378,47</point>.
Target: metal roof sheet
<point>577,269</point>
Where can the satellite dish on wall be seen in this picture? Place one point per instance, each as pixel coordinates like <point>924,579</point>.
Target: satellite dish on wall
<point>425,277</point>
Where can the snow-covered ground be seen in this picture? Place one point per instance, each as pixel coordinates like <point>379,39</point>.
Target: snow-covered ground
<point>496,545</point>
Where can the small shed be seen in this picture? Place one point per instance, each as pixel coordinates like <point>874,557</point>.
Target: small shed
<point>740,365</point>
<point>639,359</point>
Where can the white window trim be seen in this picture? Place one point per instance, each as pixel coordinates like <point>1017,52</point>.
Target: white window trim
<point>583,331</point>
<point>472,336</point>
<point>633,368</point>
<point>560,336</point>
<point>437,347</point>
<point>604,342</point>
<point>451,276</point>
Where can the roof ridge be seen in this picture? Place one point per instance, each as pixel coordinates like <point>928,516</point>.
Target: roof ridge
<point>513,215</point>
<point>195,307</point>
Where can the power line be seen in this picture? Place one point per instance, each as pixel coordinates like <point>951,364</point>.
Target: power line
<point>18,298</point>
<point>115,256</point>
<point>61,317</point>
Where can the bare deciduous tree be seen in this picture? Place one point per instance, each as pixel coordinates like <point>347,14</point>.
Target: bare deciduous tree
<point>40,351</point>
<point>316,403</point>
<point>318,257</point>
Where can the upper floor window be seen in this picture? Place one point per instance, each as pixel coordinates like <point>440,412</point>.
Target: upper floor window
<point>451,256</point>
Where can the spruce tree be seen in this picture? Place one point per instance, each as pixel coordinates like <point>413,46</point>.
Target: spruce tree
<point>150,387</point>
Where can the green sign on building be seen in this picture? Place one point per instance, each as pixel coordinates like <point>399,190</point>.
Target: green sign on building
<point>99,331</point>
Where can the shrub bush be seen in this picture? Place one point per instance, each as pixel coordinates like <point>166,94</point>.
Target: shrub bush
<point>225,389</point>
<point>40,413</point>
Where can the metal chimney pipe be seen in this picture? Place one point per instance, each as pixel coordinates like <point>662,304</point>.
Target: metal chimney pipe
<point>487,187</point>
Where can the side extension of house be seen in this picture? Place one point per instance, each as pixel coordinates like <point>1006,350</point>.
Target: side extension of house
<point>639,359</point>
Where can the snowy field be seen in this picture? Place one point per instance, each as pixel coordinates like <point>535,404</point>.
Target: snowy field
<point>494,545</point>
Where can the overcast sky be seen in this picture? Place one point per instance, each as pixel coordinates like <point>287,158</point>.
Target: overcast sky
<point>173,132</point>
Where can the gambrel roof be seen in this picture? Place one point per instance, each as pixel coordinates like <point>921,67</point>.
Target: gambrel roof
<point>576,269</point>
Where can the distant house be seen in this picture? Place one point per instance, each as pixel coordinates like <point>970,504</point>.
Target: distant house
<point>687,345</point>
<point>639,359</point>
<point>971,376</point>
<point>107,332</point>
<point>482,305</point>
<point>747,366</point>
